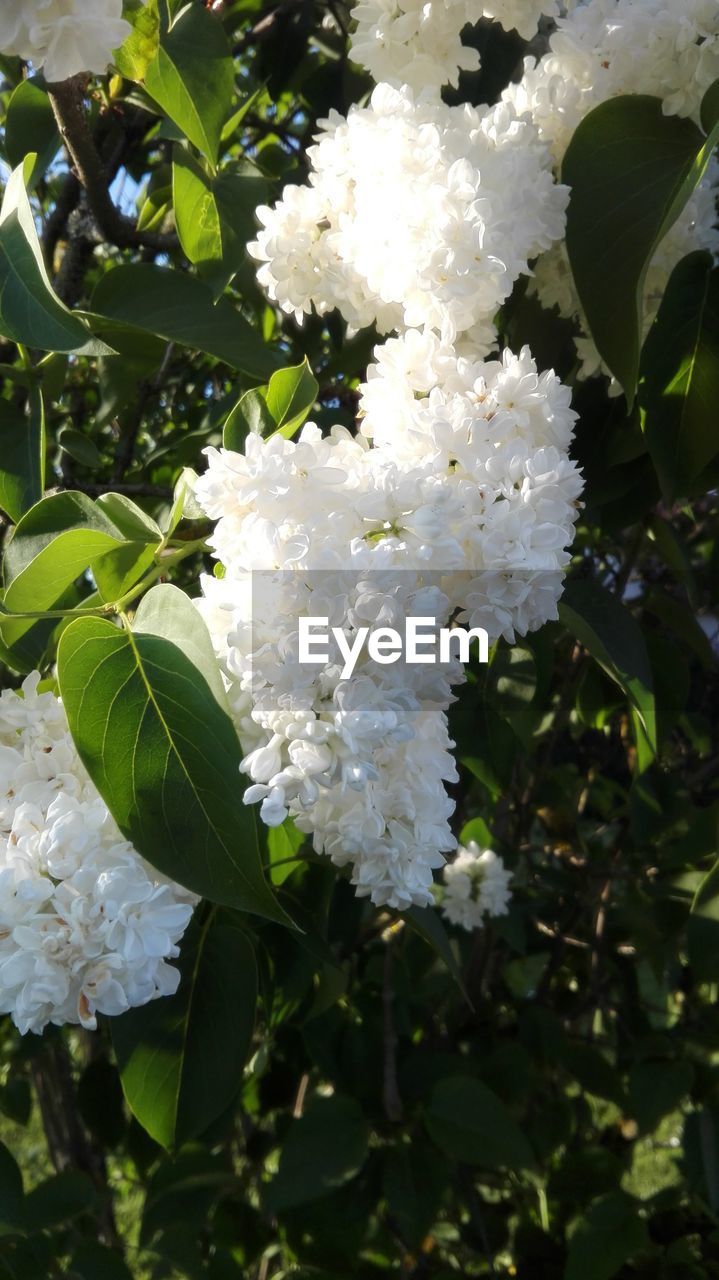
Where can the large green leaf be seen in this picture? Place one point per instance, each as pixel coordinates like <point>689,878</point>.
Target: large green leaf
<point>134,57</point>
<point>147,712</point>
<point>22,455</point>
<point>30,311</point>
<point>631,169</point>
<point>192,76</point>
<point>604,1238</point>
<point>215,216</point>
<point>606,628</point>
<point>471,1124</point>
<point>180,308</point>
<point>53,545</point>
<point>703,929</point>
<point>11,1192</point>
<point>426,922</point>
<point>94,1261</point>
<point>181,1057</point>
<point>679,390</point>
<point>30,128</point>
<point>324,1149</point>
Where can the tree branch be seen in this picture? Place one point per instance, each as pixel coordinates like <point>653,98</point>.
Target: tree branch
<point>67,105</point>
<point>69,1146</point>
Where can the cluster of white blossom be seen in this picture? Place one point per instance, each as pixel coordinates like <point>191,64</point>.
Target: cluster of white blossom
<point>86,926</point>
<point>476,886</point>
<point>457,501</point>
<point>602,49</point>
<point>412,217</point>
<point>418,42</point>
<point>63,37</point>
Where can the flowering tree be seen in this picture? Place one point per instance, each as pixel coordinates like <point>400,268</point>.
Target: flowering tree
<point>319,958</point>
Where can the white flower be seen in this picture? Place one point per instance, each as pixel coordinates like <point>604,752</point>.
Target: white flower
<point>418,42</point>
<point>443,243</point>
<point>63,37</point>
<point>457,500</point>
<point>604,48</point>
<point>476,886</point>
<point>86,925</point>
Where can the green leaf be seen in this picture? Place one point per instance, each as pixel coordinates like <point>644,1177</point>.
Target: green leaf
<point>181,1057</point>
<point>631,170</point>
<point>80,447</point>
<point>471,1124</point>
<point>180,308</point>
<point>140,49</point>
<point>426,922</point>
<point>215,216</point>
<point>22,455</point>
<point>606,628</point>
<point>94,1261</point>
<point>192,77</point>
<point>249,416</point>
<point>703,929</point>
<point>30,311</point>
<point>30,128</point>
<point>323,1150</point>
<point>52,546</point>
<point>122,567</point>
<point>147,712</point>
<point>290,397</point>
<point>414,1179</point>
<point>604,1238</point>
<point>679,390</point>
<point>280,408</point>
<point>130,519</point>
<point>656,1089</point>
<point>282,845</point>
<point>11,1192</point>
<point>59,1199</point>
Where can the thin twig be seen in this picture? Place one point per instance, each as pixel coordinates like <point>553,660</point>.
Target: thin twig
<point>390,1090</point>
<point>67,104</point>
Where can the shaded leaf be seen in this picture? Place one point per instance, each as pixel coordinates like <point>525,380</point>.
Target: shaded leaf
<point>631,169</point>
<point>471,1124</point>
<point>680,376</point>
<point>181,1058</point>
<point>604,1238</point>
<point>323,1150</point>
<point>606,628</point>
<point>22,455</point>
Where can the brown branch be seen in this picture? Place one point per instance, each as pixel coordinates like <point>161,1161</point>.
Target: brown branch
<point>125,452</point>
<point>390,1092</point>
<point>69,1146</point>
<point>67,105</point>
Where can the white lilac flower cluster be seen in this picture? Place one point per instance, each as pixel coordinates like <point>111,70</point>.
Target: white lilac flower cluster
<point>476,886</point>
<point>602,49</point>
<point>457,502</point>
<point>418,42</point>
<point>412,217</point>
<point>86,926</point>
<point>63,38</point>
